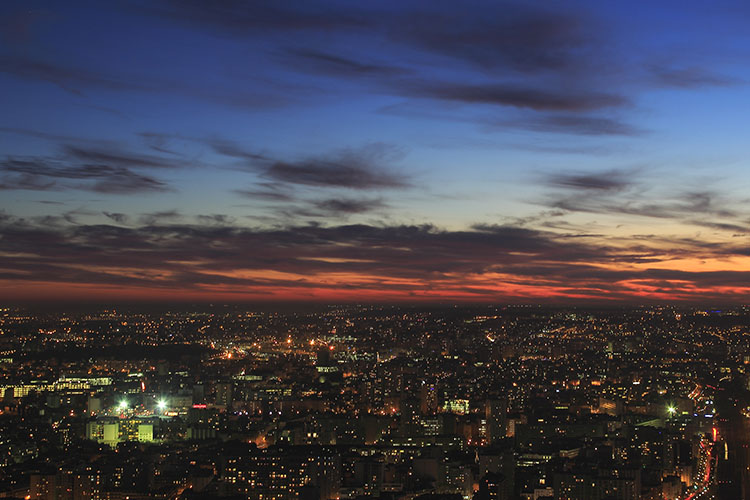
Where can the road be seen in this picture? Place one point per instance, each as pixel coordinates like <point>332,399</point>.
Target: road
<point>706,488</point>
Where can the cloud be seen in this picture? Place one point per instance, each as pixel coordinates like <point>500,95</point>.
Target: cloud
<point>612,196</point>
<point>628,193</point>
<point>42,174</point>
<point>687,77</point>
<point>723,226</point>
<point>88,166</point>
<point>114,169</point>
<point>393,261</point>
<point>117,217</point>
<point>348,206</point>
<point>361,168</point>
<point>575,124</point>
<point>537,59</point>
<point>219,219</point>
<point>269,191</point>
<point>330,209</point>
<point>161,217</point>
<point>341,173</point>
<point>234,150</point>
<point>157,142</point>
<point>520,96</point>
<point>562,62</point>
<point>612,180</point>
<point>533,58</point>
<point>510,55</point>
<point>69,78</point>
<point>112,156</point>
<point>336,65</point>
<point>354,168</point>
<point>123,181</point>
<point>292,205</point>
<point>503,35</point>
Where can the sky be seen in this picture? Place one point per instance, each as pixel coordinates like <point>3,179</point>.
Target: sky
<point>389,151</point>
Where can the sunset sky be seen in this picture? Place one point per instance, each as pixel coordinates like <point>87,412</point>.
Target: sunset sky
<point>375,151</point>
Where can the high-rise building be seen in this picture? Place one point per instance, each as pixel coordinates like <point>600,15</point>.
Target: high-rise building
<point>428,399</point>
<point>495,414</point>
<point>224,394</point>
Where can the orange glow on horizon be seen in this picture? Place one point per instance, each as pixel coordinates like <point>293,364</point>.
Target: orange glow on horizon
<point>470,291</point>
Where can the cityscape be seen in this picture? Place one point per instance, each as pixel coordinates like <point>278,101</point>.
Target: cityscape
<point>483,402</point>
<point>374,249</point>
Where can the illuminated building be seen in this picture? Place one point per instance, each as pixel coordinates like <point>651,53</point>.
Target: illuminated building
<point>224,394</point>
<point>428,399</point>
<point>279,473</point>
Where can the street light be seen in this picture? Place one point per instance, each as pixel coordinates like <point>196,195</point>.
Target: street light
<point>161,404</point>
<point>671,410</point>
<point>123,405</point>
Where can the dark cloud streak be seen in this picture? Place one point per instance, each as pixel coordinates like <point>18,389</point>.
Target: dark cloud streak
<point>43,175</point>
<point>575,125</point>
<point>343,174</point>
<point>358,168</point>
<point>333,64</point>
<point>349,206</point>
<point>190,256</point>
<point>613,180</point>
<point>112,156</point>
<point>687,78</point>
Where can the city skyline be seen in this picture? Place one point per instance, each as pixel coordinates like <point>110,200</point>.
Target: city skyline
<point>352,402</point>
<point>374,152</point>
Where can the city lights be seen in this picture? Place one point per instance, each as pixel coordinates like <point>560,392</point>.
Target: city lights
<point>419,380</point>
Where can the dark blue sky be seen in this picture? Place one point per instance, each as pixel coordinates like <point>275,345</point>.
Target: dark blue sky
<point>375,150</point>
